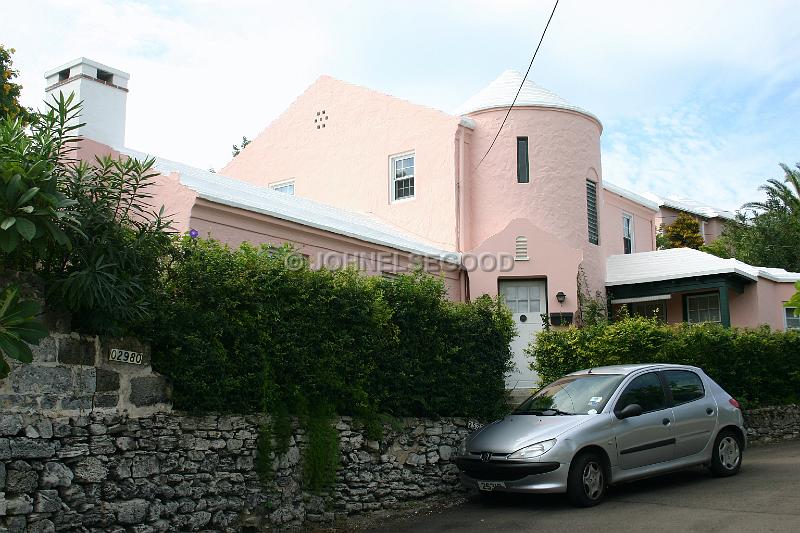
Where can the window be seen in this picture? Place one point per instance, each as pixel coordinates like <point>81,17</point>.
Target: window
<point>522,160</point>
<point>703,308</point>
<point>792,321</point>
<point>646,390</point>
<point>627,233</point>
<point>402,177</point>
<point>283,186</point>
<point>523,299</point>
<point>591,209</point>
<point>657,308</point>
<point>63,75</point>
<point>685,386</point>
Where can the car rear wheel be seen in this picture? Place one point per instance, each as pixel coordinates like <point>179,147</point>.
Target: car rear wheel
<point>587,482</point>
<point>726,458</point>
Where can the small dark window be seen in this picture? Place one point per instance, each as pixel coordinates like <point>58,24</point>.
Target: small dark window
<point>685,386</point>
<point>646,390</point>
<point>104,76</point>
<point>522,160</point>
<point>63,75</point>
<point>591,210</point>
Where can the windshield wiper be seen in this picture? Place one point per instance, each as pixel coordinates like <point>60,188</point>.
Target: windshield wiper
<point>543,412</point>
<point>559,412</point>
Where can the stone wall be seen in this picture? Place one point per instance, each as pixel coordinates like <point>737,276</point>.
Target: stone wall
<point>73,374</point>
<point>770,424</point>
<point>170,472</point>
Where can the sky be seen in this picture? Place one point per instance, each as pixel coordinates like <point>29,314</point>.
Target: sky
<point>697,99</point>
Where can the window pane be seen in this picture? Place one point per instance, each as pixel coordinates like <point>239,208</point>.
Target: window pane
<point>535,306</point>
<point>685,386</point>
<point>792,321</point>
<point>646,391</point>
<point>522,160</point>
<point>591,209</point>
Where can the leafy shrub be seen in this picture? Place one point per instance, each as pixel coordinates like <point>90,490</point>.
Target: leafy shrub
<point>18,326</point>
<point>757,366</point>
<point>237,330</point>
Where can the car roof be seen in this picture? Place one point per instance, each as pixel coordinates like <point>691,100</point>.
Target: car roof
<point>627,369</point>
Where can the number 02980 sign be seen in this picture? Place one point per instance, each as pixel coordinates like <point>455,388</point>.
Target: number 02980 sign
<point>126,356</point>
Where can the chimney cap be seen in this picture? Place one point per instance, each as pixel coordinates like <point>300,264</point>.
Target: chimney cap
<point>91,63</point>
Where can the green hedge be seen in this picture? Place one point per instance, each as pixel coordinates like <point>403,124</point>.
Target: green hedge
<point>238,330</point>
<point>756,366</point>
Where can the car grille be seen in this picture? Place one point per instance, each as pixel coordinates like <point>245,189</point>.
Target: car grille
<point>502,470</point>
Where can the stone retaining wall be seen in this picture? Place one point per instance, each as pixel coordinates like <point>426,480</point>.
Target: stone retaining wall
<point>770,424</point>
<point>169,472</point>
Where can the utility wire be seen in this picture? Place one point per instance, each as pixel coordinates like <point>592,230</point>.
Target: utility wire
<point>520,85</point>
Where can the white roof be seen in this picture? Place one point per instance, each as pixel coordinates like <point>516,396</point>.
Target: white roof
<point>630,195</point>
<point>500,93</point>
<point>87,61</point>
<point>691,206</point>
<point>677,263</point>
<point>228,191</point>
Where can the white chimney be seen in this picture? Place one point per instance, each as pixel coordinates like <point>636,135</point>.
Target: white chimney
<point>103,91</point>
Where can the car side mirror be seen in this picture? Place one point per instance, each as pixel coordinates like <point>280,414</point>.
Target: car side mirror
<point>628,411</point>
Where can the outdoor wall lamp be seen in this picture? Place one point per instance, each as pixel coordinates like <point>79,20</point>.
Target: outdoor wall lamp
<point>560,296</point>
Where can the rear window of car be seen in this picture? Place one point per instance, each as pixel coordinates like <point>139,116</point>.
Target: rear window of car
<point>685,385</point>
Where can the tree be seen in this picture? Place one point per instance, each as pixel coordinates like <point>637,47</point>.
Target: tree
<point>684,232</point>
<point>238,148</point>
<point>10,91</point>
<point>766,233</point>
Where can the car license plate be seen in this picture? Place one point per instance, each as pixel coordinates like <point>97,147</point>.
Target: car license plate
<point>491,485</point>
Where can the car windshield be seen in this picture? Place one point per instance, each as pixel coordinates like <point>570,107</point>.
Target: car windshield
<point>585,394</point>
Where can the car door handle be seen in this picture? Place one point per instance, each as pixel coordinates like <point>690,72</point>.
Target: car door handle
<point>665,421</point>
<point>709,411</point>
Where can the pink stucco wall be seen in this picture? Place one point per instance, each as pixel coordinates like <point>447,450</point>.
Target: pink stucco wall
<point>550,258</point>
<point>564,151</point>
<point>644,238</point>
<point>346,163</point>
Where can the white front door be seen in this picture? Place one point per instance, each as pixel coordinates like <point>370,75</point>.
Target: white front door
<point>527,300</point>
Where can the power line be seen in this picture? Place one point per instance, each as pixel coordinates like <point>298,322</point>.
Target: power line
<point>520,85</point>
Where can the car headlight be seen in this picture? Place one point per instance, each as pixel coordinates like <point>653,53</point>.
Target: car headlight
<point>534,450</point>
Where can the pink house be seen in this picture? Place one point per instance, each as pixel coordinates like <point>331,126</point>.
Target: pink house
<point>351,175</point>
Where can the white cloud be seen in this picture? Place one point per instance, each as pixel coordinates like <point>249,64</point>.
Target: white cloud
<point>698,98</point>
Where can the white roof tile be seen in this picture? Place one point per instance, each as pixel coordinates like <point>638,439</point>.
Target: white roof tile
<point>691,206</point>
<point>630,195</point>
<point>500,93</point>
<point>677,263</point>
<point>228,191</point>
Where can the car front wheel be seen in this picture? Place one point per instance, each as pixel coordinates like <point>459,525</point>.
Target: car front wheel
<point>587,483</point>
<point>726,459</point>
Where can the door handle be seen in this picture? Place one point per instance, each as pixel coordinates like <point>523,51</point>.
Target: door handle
<point>709,411</point>
<point>665,421</point>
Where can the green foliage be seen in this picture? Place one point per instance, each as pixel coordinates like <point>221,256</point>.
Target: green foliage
<point>107,280</point>
<point>592,310</point>
<point>767,232</point>
<point>233,322</point>
<point>9,90</point>
<point>18,326</point>
<point>34,211</point>
<point>794,301</point>
<point>321,457</point>
<point>88,230</point>
<point>757,366</point>
<point>684,232</point>
<point>721,247</point>
<point>237,148</point>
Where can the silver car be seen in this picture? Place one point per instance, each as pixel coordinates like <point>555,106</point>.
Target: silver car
<point>607,425</point>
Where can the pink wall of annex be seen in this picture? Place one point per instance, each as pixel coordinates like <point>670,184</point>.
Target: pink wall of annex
<point>335,142</point>
<point>550,258</point>
<point>564,152</point>
<point>644,239</point>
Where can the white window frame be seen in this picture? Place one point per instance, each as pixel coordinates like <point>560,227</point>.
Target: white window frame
<point>786,320</point>
<point>278,185</point>
<point>628,216</point>
<point>393,178</point>
<point>690,297</point>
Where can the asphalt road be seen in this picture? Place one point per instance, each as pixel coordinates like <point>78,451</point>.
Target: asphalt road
<point>764,497</point>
